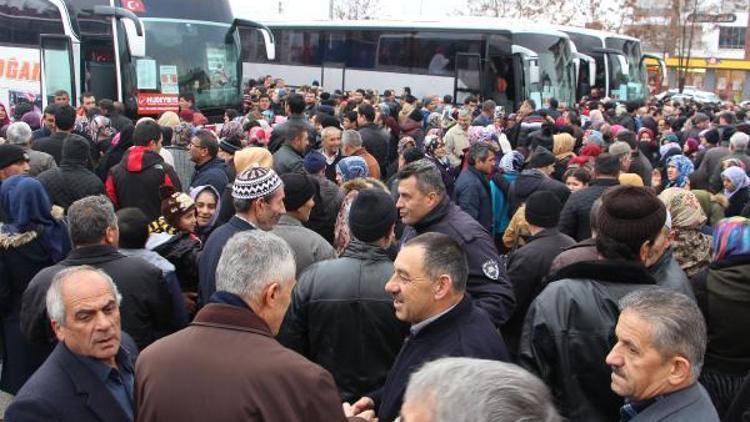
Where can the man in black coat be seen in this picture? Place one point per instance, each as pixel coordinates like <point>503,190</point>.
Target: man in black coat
<point>536,177</point>
<point>341,315</point>
<point>89,376</point>
<point>374,138</point>
<point>65,118</point>
<point>71,180</point>
<point>472,191</point>
<point>574,219</point>
<point>425,207</point>
<point>209,169</point>
<point>258,195</point>
<point>428,288</point>
<point>529,265</point>
<point>295,108</point>
<point>146,306</point>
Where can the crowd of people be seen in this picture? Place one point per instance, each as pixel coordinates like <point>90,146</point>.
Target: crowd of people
<point>327,256</point>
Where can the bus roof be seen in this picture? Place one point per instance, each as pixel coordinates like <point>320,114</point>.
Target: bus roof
<point>475,24</point>
<point>592,32</point>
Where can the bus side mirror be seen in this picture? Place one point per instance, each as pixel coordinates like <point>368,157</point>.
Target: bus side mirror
<point>134,29</point>
<point>268,38</point>
<point>623,64</point>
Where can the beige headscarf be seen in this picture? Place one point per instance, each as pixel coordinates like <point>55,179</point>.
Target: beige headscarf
<point>684,208</point>
<point>562,145</point>
<point>244,158</point>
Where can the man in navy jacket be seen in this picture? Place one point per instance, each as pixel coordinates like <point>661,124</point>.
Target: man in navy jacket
<point>428,289</point>
<point>472,192</point>
<point>209,169</point>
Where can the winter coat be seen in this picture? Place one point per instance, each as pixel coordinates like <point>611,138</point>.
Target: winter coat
<point>709,172</point>
<point>689,404</point>
<point>376,142</point>
<point>488,285</point>
<point>182,250</point>
<point>642,167</point>
<point>227,366</point>
<point>341,316</point>
<point>308,246</point>
<point>528,266</point>
<point>575,215</point>
<point>145,309</point>
<point>183,165</point>
<point>328,200</point>
<point>209,258</point>
<point>288,160</point>
<point>210,173</point>
<point>472,194</point>
<point>53,145</point>
<point>372,164</point>
<point>530,181</point>
<point>456,142</point>
<point>72,180</point>
<point>500,186</point>
<point>135,181</point>
<point>569,330</point>
<point>737,202</point>
<point>463,331</point>
<point>414,129</point>
<point>278,135</point>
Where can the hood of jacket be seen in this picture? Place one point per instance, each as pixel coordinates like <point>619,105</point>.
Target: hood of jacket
<point>528,182</point>
<point>75,152</point>
<point>139,158</point>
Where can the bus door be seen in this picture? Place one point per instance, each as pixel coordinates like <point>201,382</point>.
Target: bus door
<point>468,79</point>
<point>100,70</point>
<point>526,74</point>
<point>57,67</point>
<point>585,74</point>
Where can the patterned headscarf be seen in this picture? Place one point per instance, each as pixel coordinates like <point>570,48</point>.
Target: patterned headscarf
<point>731,238</point>
<point>100,128</point>
<point>667,148</point>
<point>738,177</point>
<point>684,168</point>
<point>183,133</point>
<point>352,168</point>
<point>684,208</point>
<point>512,162</point>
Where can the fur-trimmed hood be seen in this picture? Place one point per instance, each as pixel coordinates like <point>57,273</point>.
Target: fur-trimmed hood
<point>16,240</point>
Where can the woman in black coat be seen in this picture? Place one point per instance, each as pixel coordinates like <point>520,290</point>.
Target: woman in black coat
<point>31,240</point>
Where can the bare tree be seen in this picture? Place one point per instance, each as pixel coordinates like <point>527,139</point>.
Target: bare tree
<point>355,9</point>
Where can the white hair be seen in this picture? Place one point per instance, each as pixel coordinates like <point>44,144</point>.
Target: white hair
<point>18,133</point>
<point>329,130</point>
<point>497,392</point>
<point>251,260</point>
<point>739,141</point>
<point>351,138</point>
<point>54,299</point>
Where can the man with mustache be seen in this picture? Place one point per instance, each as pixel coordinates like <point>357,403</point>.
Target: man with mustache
<point>429,292</point>
<point>89,376</point>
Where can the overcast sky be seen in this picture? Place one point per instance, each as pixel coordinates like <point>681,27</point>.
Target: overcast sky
<point>318,9</point>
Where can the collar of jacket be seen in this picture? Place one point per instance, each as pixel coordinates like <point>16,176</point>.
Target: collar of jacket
<point>288,220</point>
<point>432,217</point>
<point>240,223</point>
<point>443,323</point>
<point>358,249</point>
<point>481,176</point>
<point>214,162</point>
<point>289,147</point>
<point>586,243</point>
<point>605,181</point>
<point>552,231</point>
<point>607,270</point>
<point>92,254</point>
<point>218,315</point>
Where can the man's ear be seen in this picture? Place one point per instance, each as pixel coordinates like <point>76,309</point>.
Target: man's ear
<point>680,372</point>
<point>57,328</point>
<point>271,293</point>
<point>442,286</point>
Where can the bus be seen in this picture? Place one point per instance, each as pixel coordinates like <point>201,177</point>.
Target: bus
<point>492,59</point>
<point>143,53</point>
<point>620,71</point>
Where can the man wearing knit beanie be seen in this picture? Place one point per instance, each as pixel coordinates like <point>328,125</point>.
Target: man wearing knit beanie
<point>327,200</point>
<point>529,265</point>
<point>708,175</point>
<point>353,319</point>
<point>631,236</point>
<point>536,177</point>
<point>309,247</point>
<point>258,195</point>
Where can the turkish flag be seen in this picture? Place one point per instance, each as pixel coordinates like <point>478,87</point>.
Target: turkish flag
<point>135,6</point>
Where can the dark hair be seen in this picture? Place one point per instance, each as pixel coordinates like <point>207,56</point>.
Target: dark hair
<point>628,136</point>
<point>427,175</point>
<point>470,99</point>
<point>145,132</point>
<point>107,105</point>
<point>208,141</point>
<point>411,155</point>
<point>50,109</point>
<point>607,164</point>
<point>367,111</point>
<point>447,99</point>
<point>294,130</point>
<point>65,117</point>
<point>387,93</point>
<point>296,103</point>
<point>61,93</point>
<point>188,96</point>
<point>87,94</point>
<point>443,255</point>
<point>231,113</point>
<point>553,104</point>
<point>133,225</point>
<point>531,103</point>
<point>580,173</point>
<point>351,116</point>
<point>480,151</point>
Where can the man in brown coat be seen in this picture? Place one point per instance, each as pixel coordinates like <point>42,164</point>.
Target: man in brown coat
<point>227,366</point>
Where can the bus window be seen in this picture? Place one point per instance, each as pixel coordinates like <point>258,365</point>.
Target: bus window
<point>21,21</point>
<point>300,47</point>
<point>394,52</point>
<point>435,53</point>
<point>362,47</point>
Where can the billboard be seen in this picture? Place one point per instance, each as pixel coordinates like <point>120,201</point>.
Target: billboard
<point>19,75</point>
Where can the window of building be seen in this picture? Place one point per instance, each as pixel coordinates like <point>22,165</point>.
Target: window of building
<point>732,37</point>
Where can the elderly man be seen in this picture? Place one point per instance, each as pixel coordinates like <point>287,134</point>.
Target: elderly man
<point>351,145</point>
<point>330,147</point>
<point>89,376</point>
<point>476,390</point>
<point>425,207</point>
<point>258,195</point>
<point>457,138</point>
<point>429,292</point>
<point>20,134</point>
<point>661,342</point>
<point>227,366</point>
<point>13,161</point>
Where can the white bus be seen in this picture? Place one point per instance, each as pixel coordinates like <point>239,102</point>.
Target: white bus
<point>142,53</point>
<point>507,62</point>
<point>620,68</point>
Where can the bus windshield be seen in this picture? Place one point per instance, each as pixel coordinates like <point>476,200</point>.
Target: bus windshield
<point>633,85</point>
<point>204,59</point>
<point>555,68</point>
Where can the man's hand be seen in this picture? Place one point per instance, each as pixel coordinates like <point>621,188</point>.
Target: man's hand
<point>363,404</point>
<point>354,410</point>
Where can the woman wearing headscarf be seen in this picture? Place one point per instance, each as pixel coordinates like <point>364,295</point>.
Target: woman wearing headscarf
<point>31,239</point>
<point>182,133</point>
<point>509,167</point>
<point>562,146</point>
<point>434,148</point>
<point>352,176</point>
<point>207,209</point>
<point>736,184</point>
<point>4,120</point>
<point>173,237</point>
<point>692,248</point>
<point>723,294</point>
<point>679,168</point>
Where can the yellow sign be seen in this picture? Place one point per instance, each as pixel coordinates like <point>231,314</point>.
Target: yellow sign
<point>705,63</point>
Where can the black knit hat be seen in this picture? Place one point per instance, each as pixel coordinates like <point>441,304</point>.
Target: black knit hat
<point>372,215</point>
<point>631,214</point>
<point>541,157</point>
<point>11,154</point>
<point>543,209</point>
<point>298,189</point>
<point>230,144</point>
